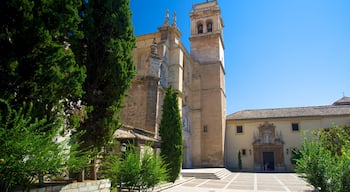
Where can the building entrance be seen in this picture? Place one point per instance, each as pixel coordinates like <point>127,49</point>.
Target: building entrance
<point>268,149</point>
<point>269,161</point>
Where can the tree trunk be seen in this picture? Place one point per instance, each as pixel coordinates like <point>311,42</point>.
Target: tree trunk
<point>93,172</point>
<point>81,176</point>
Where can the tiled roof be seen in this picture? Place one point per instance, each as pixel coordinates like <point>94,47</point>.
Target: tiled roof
<point>315,111</point>
<point>343,101</point>
<point>129,132</point>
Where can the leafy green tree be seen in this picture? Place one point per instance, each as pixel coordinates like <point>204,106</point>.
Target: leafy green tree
<point>37,64</point>
<point>27,153</point>
<point>106,51</point>
<point>171,134</point>
<point>324,159</point>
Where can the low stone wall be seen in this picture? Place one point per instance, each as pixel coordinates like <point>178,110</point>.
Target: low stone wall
<point>86,186</point>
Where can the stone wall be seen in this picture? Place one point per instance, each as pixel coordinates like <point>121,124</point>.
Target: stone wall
<point>86,186</point>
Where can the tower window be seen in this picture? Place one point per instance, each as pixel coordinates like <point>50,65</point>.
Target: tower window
<point>200,28</point>
<point>209,27</point>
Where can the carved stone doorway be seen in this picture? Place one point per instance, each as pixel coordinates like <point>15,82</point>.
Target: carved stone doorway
<point>268,149</point>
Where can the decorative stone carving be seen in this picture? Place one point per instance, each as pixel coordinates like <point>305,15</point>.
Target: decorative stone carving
<point>154,48</point>
<point>166,21</point>
<point>267,141</point>
<point>174,20</point>
<point>155,61</point>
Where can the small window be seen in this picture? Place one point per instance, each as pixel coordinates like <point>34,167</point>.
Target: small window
<point>295,127</point>
<point>239,129</point>
<point>244,152</point>
<point>210,27</point>
<point>205,128</point>
<point>200,28</point>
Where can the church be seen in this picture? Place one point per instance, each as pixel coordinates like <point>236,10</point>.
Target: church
<point>197,74</point>
<point>265,138</point>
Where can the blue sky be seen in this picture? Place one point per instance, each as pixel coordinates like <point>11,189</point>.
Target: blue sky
<point>278,53</point>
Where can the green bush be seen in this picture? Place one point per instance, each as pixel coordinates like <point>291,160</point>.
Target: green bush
<point>324,159</point>
<point>27,153</point>
<point>296,154</point>
<point>153,171</point>
<point>134,172</point>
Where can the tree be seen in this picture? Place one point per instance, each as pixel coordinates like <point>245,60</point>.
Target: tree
<point>171,134</point>
<point>106,53</point>
<point>36,62</point>
<point>239,160</point>
<point>27,153</point>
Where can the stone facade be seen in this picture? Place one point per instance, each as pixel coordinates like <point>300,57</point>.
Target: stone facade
<point>162,60</point>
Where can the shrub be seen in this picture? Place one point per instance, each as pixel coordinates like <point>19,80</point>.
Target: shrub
<point>153,170</point>
<point>134,172</point>
<point>324,159</point>
<point>28,153</point>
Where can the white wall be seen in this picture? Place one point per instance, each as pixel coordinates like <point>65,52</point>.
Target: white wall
<point>291,139</point>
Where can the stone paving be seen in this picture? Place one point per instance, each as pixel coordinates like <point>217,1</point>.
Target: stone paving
<point>244,182</point>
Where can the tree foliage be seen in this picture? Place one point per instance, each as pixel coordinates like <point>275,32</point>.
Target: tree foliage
<point>325,161</point>
<point>171,134</point>
<point>36,62</point>
<point>27,153</point>
<point>135,171</point>
<point>48,49</point>
<point>239,160</point>
<point>106,53</point>
<point>38,66</point>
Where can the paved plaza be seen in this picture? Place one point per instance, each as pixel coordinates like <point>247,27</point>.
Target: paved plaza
<point>244,182</point>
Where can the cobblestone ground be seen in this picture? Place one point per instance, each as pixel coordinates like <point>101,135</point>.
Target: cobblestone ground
<point>244,182</point>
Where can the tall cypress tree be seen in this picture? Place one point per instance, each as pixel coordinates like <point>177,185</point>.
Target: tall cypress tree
<point>36,62</point>
<point>171,134</point>
<point>106,51</point>
<point>37,66</point>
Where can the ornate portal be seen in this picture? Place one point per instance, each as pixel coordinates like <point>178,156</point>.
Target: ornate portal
<point>268,149</point>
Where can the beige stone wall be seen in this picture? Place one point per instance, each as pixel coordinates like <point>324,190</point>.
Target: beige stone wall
<point>140,106</point>
<point>291,139</point>
<point>135,106</point>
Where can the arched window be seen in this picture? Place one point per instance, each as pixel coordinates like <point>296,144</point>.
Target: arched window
<point>210,27</point>
<point>200,28</point>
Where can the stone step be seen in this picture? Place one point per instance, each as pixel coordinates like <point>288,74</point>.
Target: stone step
<point>222,174</point>
<point>206,173</point>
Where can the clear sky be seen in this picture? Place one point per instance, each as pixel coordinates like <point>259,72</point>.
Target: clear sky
<point>278,53</point>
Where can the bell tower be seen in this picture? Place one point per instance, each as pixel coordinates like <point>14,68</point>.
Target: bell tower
<point>209,109</point>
